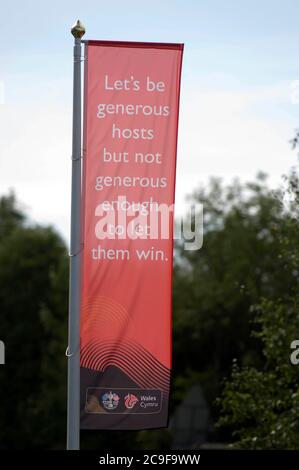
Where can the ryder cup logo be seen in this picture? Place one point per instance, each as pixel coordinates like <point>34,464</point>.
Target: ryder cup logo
<point>110,400</point>
<point>130,401</point>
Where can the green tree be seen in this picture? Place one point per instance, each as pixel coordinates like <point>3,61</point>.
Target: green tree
<point>215,287</point>
<point>261,404</point>
<point>243,260</point>
<point>33,325</point>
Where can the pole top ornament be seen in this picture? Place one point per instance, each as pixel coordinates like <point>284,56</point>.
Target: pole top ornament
<point>78,30</point>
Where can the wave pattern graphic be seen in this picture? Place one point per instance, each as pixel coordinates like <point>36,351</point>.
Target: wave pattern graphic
<point>103,315</point>
<point>100,349</point>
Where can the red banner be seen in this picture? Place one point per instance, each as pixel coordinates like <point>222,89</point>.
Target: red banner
<point>130,141</point>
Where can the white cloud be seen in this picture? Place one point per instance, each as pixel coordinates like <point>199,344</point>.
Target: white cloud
<point>35,159</point>
<point>223,132</point>
<point>232,133</point>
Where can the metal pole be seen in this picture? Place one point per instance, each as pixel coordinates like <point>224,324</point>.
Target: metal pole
<point>73,406</point>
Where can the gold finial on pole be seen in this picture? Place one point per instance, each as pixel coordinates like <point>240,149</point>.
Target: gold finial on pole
<point>78,30</point>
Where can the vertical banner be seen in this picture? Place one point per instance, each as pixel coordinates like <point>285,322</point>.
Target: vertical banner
<point>130,142</point>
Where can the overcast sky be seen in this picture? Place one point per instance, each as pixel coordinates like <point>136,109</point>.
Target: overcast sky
<point>237,111</point>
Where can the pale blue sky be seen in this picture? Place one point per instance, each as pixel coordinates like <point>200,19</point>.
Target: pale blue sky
<point>237,114</point>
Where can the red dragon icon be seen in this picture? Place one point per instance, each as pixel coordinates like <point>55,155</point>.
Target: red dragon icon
<point>130,401</point>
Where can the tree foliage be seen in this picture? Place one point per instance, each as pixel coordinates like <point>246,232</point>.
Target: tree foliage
<point>33,320</point>
<point>249,258</point>
<point>261,404</point>
<point>214,288</point>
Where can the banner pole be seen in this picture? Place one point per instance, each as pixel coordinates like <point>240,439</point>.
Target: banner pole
<point>73,351</point>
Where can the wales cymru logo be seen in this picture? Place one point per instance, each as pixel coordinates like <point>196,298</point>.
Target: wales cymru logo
<point>130,401</point>
<point>110,400</point>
